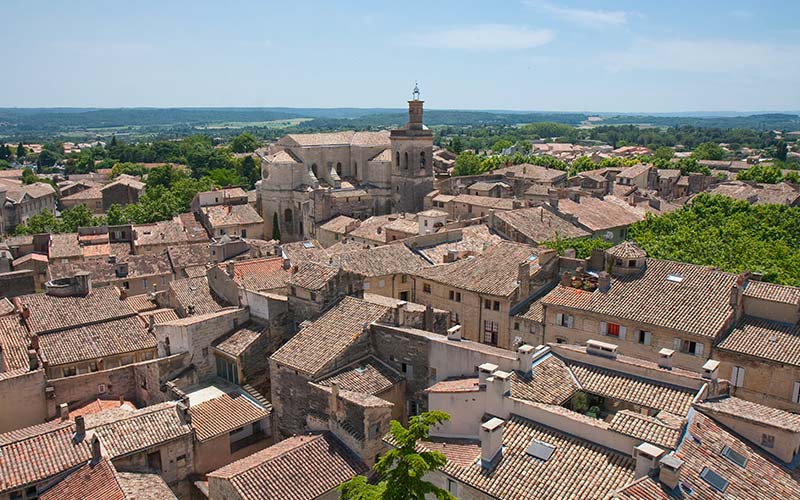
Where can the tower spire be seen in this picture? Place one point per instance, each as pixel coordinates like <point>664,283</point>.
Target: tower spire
<point>415,92</point>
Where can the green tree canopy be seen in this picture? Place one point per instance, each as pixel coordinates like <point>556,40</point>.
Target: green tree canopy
<point>501,145</point>
<point>781,150</point>
<point>276,229</point>
<point>244,143</point>
<point>708,151</point>
<point>403,468</point>
<point>768,174</point>
<point>467,163</point>
<point>663,152</point>
<point>456,145</point>
<point>20,151</point>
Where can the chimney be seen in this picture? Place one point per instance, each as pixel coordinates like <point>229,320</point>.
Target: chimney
<point>80,428</point>
<point>334,401</point>
<point>524,279</point>
<point>552,198</point>
<point>151,323</point>
<point>287,264</point>
<point>711,370</point>
<point>33,360</point>
<point>485,371</point>
<point>670,471</point>
<point>566,279</point>
<point>454,333</point>
<point>603,349</point>
<point>183,410</point>
<point>429,318</point>
<point>525,354</point>
<point>123,294</point>
<point>35,342</point>
<point>63,412</point>
<point>734,297</point>
<point>230,268</point>
<point>491,442</point>
<point>96,453</point>
<point>604,281</point>
<point>401,312</point>
<point>665,358</point>
<point>84,282</point>
<point>646,456</point>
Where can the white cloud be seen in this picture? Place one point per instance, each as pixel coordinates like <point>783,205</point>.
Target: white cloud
<point>583,16</point>
<point>711,56</point>
<point>483,37</point>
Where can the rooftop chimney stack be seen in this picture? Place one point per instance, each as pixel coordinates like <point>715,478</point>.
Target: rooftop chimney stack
<point>402,307</point>
<point>454,333</point>
<point>63,412</point>
<point>646,456</point>
<point>491,442</point>
<point>485,371</point>
<point>524,279</point>
<point>711,370</point>
<point>525,354</point>
<point>604,281</point>
<point>428,318</point>
<point>151,323</point>
<point>669,472</point>
<point>80,428</point>
<point>230,268</point>
<point>566,279</point>
<point>33,360</point>
<point>96,452</point>
<point>665,358</point>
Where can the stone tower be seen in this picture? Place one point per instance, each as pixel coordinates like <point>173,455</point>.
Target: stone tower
<point>412,164</point>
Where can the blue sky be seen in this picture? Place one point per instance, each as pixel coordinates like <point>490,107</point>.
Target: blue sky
<point>576,55</point>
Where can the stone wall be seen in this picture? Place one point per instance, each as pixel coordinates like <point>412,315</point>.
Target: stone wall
<point>409,355</point>
<point>22,400</point>
<point>17,283</point>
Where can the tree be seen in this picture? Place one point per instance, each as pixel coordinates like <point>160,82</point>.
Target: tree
<point>456,145</point>
<point>43,222</point>
<point>781,150</point>
<point>708,151</point>
<point>403,468</point>
<point>20,151</point>
<point>501,145</point>
<point>467,163</point>
<point>115,216</point>
<point>244,143</point>
<point>581,164</point>
<point>5,152</point>
<point>225,177</point>
<point>276,230</point>
<point>767,174</point>
<point>663,152</point>
<point>48,158</point>
<point>249,171</point>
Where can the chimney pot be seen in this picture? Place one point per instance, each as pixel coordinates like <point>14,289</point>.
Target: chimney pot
<point>669,472</point>
<point>96,452</point>
<point>491,442</point>
<point>646,456</point>
<point>33,360</point>
<point>63,411</point>
<point>665,358</point>
<point>525,354</point>
<point>485,371</point>
<point>454,333</point>
<point>80,428</point>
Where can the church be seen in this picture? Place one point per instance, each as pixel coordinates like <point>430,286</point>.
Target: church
<point>308,179</point>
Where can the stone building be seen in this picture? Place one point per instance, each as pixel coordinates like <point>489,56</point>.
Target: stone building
<point>21,202</point>
<point>125,190</point>
<point>310,178</point>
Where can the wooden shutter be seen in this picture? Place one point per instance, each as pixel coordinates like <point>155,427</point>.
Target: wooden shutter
<point>622,332</point>
<point>796,393</point>
<point>559,318</point>
<point>698,349</point>
<point>570,320</point>
<point>603,328</point>
<point>647,338</point>
<point>737,376</point>
<point>676,344</point>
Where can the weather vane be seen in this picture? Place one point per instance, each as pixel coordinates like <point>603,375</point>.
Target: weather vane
<point>415,93</point>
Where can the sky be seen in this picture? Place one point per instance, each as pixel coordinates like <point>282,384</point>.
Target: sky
<point>576,55</point>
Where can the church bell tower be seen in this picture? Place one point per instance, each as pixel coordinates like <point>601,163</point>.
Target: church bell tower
<point>412,159</point>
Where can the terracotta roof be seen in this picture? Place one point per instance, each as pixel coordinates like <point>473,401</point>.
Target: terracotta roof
<point>600,214</point>
<point>182,229</point>
<point>432,213</point>
<point>14,341</point>
<point>533,312</point>
<point>95,480</point>
<point>124,432</point>
<point>338,224</point>
<point>36,190</point>
<point>237,342</point>
<point>159,315</point>
<point>540,225</point>
<point>321,139</point>
<point>144,486</point>
<point>224,414</point>
<point>577,469</point>
<point>407,226</point>
<point>372,228</point>
<point>627,250</point>
<point>532,172</point>
<point>63,246</point>
<point>380,261</point>
<point>49,313</point>
<point>474,241</point>
<point>385,155</point>
<point>96,341</point>
<point>494,272</point>
<point>127,181</point>
<point>634,171</point>
<point>770,340</point>
<point>140,303</point>
<point>98,405</point>
<point>298,468</point>
<point>34,457</point>
<point>456,385</point>
<point>550,381</point>
<point>104,270</point>
<point>231,215</point>
<point>196,292</point>
<point>648,429</point>
<point>260,274</point>
<point>299,251</point>
<point>650,298</point>
<point>283,156</point>
<point>487,185</point>
<point>632,389</point>
<point>369,375</point>
<point>485,201</point>
<point>758,194</point>
<point>747,410</point>
<point>312,276</point>
<point>773,292</point>
<point>367,138</point>
<point>462,452</point>
<point>196,254</point>
<point>311,349</point>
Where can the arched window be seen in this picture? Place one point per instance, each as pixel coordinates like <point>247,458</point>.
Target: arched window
<point>314,169</point>
<point>287,216</point>
<point>339,169</point>
<point>405,160</point>
<point>422,159</point>
<point>398,159</point>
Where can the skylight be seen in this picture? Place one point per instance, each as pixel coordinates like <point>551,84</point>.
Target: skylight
<point>675,278</point>
<point>716,481</point>
<point>540,450</point>
<point>734,456</point>
<point>308,244</point>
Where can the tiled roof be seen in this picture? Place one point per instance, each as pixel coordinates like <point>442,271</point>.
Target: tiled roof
<point>95,480</point>
<point>385,155</point>
<point>650,298</point>
<point>370,376</point>
<point>235,343</point>
<point>577,469</point>
<point>312,276</point>
<point>754,412</point>
<point>321,139</point>
<point>550,381</point>
<point>260,274</point>
<point>494,272</point>
<point>627,250</point>
<point>532,172</point>
<point>540,225</point>
<point>35,190</point>
<point>196,292</point>
<point>95,341</point>
<point>159,315</point>
<point>40,455</point>
<point>93,193</point>
<point>14,341</point>
<point>456,385</point>
<point>758,194</point>
<point>283,156</point>
<point>338,224</point>
<point>299,251</point>
<point>533,312</point>
<point>104,270</point>
<point>771,340</point>
<point>140,303</point>
<point>367,138</point>
<point>127,181</point>
<point>196,254</point>
<point>182,229</point>
<point>380,261</point>
<point>298,468</point>
<point>372,228</point>
<point>407,226</point>
<point>99,405</point>
<point>347,193</point>
<point>774,292</point>
<point>123,432</point>
<point>634,171</point>
<point>485,201</point>
<point>487,185</point>
<point>63,246</point>
<point>632,389</point>
<point>49,313</point>
<point>649,429</point>
<point>144,486</point>
<point>230,215</point>
<point>599,214</point>
<point>474,241</point>
<point>323,340</point>
<point>224,414</point>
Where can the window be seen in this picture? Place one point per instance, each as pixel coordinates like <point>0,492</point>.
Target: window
<point>561,340</point>
<point>404,278</point>
<point>126,360</point>
<point>144,283</point>
<point>516,325</point>
<point>452,295</point>
<point>426,288</point>
<point>69,371</point>
<point>407,369</point>
<point>767,440</point>
<point>451,487</point>
<point>737,376</point>
<point>313,296</point>
<point>645,337</point>
<point>691,347</point>
<point>126,285</point>
<point>244,233</point>
<point>93,367</point>
<point>487,304</point>
<point>734,456</point>
<point>613,330</point>
<point>490,332</point>
<point>413,407</point>
<point>404,296</point>
<point>631,263</point>
<point>496,305</point>
<point>716,481</point>
<point>458,296</point>
<point>422,159</point>
<point>292,291</point>
<point>227,369</point>
<point>565,320</point>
